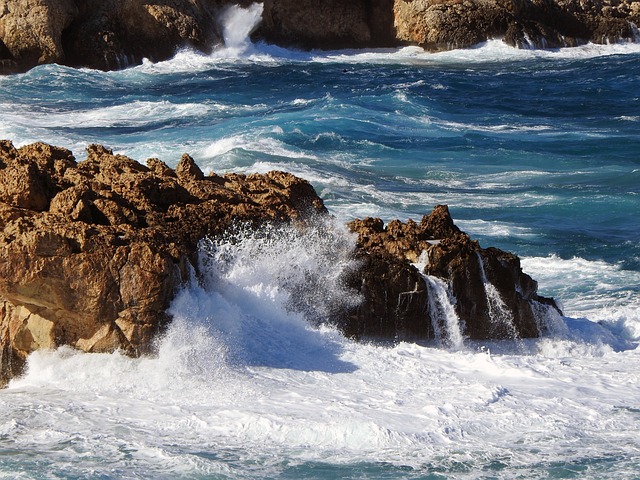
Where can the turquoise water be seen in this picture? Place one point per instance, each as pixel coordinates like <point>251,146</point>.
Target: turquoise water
<point>534,152</point>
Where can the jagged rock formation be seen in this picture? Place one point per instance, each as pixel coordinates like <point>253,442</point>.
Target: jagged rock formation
<point>446,24</point>
<point>92,253</point>
<point>493,297</point>
<point>112,34</point>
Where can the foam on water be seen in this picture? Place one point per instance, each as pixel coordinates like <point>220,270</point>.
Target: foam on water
<point>531,150</point>
<point>244,384</point>
<point>592,289</point>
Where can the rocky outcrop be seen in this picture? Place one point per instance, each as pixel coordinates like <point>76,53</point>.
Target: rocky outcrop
<point>112,34</point>
<point>446,24</point>
<point>328,24</point>
<point>102,34</point>
<point>92,253</point>
<point>31,32</point>
<point>492,297</point>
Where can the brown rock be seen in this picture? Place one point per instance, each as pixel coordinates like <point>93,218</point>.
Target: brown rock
<point>493,297</point>
<point>92,253</point>
<point>445,24</point>
<point>31,31</point>
<point>114,34</point>
<point>312,24</point>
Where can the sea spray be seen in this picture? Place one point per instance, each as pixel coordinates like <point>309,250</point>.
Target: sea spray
<point>238,23</point>
<point>499,314</point>
<point>262,290</point>
<point>444,319</point>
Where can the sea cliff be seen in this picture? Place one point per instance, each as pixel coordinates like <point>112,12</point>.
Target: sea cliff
<point>114,34</point>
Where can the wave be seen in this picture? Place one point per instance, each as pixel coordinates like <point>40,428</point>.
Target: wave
<point>491,51</point>
<point>131,114</point>
<point>603,293</point>
<point>246,380</point>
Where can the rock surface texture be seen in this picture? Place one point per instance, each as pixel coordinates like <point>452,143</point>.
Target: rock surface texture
<point>492,297</point>
<point>113,34</point>
<point>92,253</point>
<point>446,24</point>
<point>102,34</point>
<point>328,24</point>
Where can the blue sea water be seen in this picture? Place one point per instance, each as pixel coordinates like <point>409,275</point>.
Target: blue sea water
<point>535,152</point>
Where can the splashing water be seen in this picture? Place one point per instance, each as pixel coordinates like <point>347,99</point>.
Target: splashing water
<point>280,281</point>
<point>444,319</point>
<point>499,314</point>
<point>446,322</point>
<point>238,24</point>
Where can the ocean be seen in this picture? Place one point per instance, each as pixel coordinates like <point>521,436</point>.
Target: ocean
<point>535,152</point>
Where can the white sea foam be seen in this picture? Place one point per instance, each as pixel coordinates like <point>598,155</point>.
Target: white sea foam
<point>134,114</point>
<point>224,152</point>
<point>591,289</point>
<point>241,49</point>
<point>242,384</point>
<point>495,229</point>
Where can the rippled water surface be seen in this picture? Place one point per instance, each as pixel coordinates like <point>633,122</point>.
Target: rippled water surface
<point>534,152</point>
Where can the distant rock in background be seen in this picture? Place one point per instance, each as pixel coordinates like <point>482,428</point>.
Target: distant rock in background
<point>447,24</point>
<point>114,34</point>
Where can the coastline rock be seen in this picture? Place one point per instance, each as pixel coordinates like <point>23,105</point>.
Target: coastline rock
<point>114,34</point>
<point>311,24</point>
<point>445,24</point>
<point>493,297</point>
<point>102,34</point>
<point>31,32</point>
<point>93,252</point>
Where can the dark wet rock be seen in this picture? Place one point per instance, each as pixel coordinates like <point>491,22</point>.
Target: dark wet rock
<point>493,297</point>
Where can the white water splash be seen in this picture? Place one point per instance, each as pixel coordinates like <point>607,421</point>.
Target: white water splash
<point>635,32</point>
<point>498,311</point>
<point>276,279</point>
<point>242,384</point>
<point>239,23</point>
<point>444,319</point>
<point>443,314</point>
